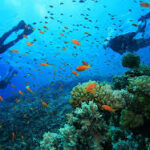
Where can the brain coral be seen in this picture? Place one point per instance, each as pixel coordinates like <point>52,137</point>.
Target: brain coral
<point>103,95</point>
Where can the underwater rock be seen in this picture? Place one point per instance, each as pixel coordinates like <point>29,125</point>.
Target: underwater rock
<point>85,129</point>
<point>103,95</point>
<point>131,61</point>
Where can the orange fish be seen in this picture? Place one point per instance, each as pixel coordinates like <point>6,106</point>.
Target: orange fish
<point>76,42</point>
<point>82,68</point>
<point>44,64</point>
<point>65,42</point>
<point>41,32</point>
<point>107,107</point>
<point>34,29</point>
<point>44,104</point>
<point>61,34</point>
<point>75,73</point>
<point>85,63</point>
<point>29,44</point>
<point>86,33</point>
<point>12,85</point>
<point>144,4</point>
<point>13,136</point>
<point>20,92</point>
<point>91,87</point>
<point>1,98</point>
<point>25,36</point>
<point>29,89</point>
<point>64,49</point>
<point>46,27</point>
<point>14,51</point>
<point>66,27</point>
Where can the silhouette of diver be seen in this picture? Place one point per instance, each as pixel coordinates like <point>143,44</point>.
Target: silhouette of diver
<point>6,80</point>
<point>126,42</point>
<point>27,29</point>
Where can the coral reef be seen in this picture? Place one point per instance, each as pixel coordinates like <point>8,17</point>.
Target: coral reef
<point>139,85</point>
<point>103,95</point>
<point>85,129</point>
<point>130,61</point>
<point>139,107</point>
<point>121,82</point>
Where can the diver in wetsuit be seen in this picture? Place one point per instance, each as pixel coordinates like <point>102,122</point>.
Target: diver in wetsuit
<point>27,29</point>
<point>126,42</point>
<point>21,26</point>
<point>6,80</point>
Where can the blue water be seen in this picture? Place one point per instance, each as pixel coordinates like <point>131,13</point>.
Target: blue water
<point>105,63</point>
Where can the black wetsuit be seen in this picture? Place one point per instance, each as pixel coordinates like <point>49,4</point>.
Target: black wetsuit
<point>20,26</point>
<point>126,42</point>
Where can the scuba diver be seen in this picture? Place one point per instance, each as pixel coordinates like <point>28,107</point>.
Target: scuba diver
<point>126,42</point>
<point>6,80</point>
<point>27,29</point>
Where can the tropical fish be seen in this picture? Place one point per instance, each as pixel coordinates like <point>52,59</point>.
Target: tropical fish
<point>44,64</point>
<point>144,4</point>
<point>61,34</point>
<point>91,87</point>
<point>82,68</point>
<point>75,73</point>
<point>29,44</point>
<point>25,36</point>
<point>1,98</point>
<point>64,49</point>
<point>28,88</point>
<point>14,51</point>
<point>44,104</point>
<point>108,108</point>
<point>20,92</point>
<point>12,85</point>
<point>66,27</point>
<point>86,33</point>
<point>76,42</point>
<point>46,27</point>
<point>41,32</point>
<point>85,63</point>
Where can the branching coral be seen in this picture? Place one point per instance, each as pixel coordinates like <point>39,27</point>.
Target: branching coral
<point>85,129</point>
<point>103,95</point>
